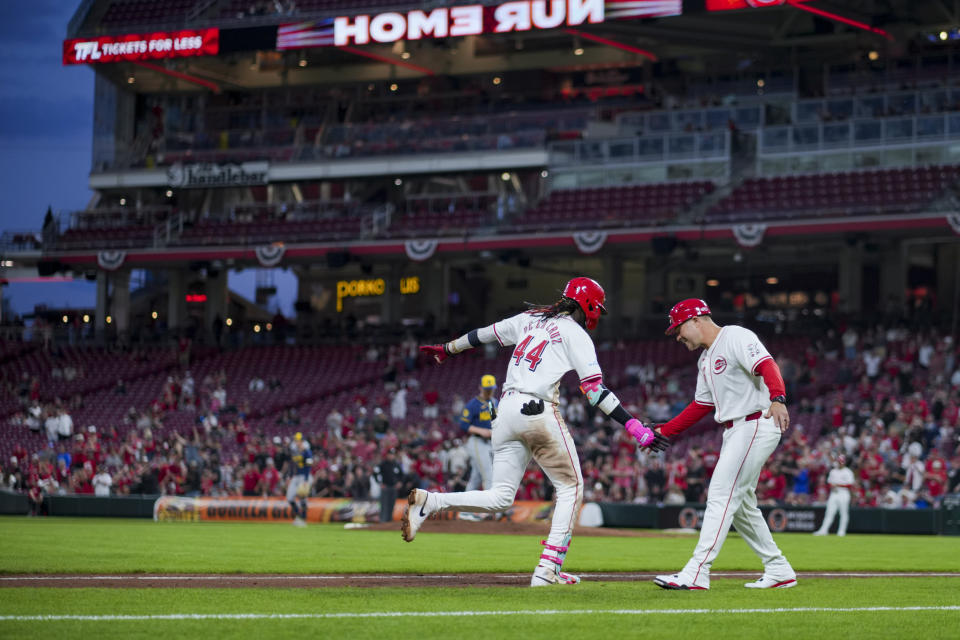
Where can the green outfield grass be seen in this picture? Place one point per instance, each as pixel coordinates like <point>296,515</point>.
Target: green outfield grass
<point>85,545</point>
<point>605,610</point>
<point>903,607</point>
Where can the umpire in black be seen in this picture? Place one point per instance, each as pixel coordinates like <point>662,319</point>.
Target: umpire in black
<point>389,475</point>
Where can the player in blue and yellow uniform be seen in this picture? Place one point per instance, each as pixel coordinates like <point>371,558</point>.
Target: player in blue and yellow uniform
<point>298,488</point>
<point>476,419</point>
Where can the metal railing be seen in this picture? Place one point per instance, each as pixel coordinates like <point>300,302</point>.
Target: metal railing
<point>869,132</point>
<point>877,105</point>
<point>683,147</point>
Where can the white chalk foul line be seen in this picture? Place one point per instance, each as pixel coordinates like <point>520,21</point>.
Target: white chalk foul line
<point>457,614</point>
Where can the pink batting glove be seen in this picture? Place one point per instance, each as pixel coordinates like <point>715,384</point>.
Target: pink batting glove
<point>643,435</point>
<point>435,351</point>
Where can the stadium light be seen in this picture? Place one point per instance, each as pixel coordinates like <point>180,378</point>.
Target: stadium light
<point>610,43</point>
<point>393,61</point>
<point>944,35</point>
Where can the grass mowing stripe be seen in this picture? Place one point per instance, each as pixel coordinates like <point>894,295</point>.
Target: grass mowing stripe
<point>465,614</point>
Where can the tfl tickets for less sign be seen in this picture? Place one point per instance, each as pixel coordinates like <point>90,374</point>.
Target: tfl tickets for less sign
<point>149,46</point>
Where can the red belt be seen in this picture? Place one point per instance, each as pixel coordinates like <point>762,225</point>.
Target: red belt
<point>752,416</point>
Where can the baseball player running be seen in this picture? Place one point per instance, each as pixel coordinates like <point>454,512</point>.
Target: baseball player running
<point>840,480</point>
<point>739,382</point>
<point>299,486</point>
<point>549,341</point>
<point>475,420</point>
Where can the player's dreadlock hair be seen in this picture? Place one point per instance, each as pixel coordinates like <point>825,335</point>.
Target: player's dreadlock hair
<point>563,305</point>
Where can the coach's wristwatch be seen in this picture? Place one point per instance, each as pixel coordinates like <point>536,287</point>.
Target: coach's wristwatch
<point>781,399</point>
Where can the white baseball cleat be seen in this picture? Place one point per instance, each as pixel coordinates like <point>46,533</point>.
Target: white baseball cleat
<point>299,522</point>
<point>416,512</point>
<point>819,533</point>
<point>545,575</point>
<point>766,582</point>
<point>677,582</point>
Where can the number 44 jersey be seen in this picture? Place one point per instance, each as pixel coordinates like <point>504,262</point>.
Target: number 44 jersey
<point>546,348</point>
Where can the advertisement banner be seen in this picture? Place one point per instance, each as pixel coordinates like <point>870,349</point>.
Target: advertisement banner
<point>454,21</point>
<point>208,174</point>
<point>799,519</point>
<point>245,509</point>
<point>149,46</point>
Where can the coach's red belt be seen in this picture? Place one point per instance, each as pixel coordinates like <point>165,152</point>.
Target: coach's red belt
<point>752,416</point>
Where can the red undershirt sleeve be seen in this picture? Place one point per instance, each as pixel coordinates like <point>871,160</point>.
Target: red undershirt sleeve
<point>687,418</point>
<point>771,376</point>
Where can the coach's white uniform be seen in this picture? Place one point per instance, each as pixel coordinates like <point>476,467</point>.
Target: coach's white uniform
<point>727,380</point>
<point>839,501</point>
<point>546,349</point>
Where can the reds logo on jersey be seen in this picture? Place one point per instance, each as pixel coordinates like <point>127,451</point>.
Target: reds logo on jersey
<point>719,365</point>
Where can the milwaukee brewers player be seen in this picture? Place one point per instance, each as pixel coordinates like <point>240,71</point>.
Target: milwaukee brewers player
<point>739,382</point>
<point>475,421</point>
<point>298,488</point>
<point>550,341</point>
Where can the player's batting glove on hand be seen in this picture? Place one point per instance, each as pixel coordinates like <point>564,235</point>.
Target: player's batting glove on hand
<point>645,436</point>
<point>436,351</point>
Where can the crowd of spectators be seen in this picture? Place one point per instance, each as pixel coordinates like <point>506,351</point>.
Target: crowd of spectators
<point>885,397</point>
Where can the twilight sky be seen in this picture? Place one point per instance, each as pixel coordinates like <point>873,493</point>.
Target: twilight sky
<point>46,134</point>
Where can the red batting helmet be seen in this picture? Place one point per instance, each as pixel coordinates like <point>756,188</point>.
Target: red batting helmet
<point>684,310</point>
<point>590,296</point>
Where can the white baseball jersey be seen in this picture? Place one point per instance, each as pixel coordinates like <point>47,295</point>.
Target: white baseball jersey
<point>727,378</point>
<point>546,349</point>
<point>839,476</point>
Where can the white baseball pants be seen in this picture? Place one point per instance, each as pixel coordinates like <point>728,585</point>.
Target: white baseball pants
<point>732,499</point>
<point>480,451</point>
<point>839,500</point>
<point>517,438</point>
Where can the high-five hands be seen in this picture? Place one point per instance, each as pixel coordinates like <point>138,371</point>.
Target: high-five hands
<point>645,436</point>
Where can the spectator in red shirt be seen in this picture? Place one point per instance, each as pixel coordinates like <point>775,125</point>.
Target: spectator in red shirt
<point>251,479</point>
<point>936,475</point>
<point>269,479</point>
